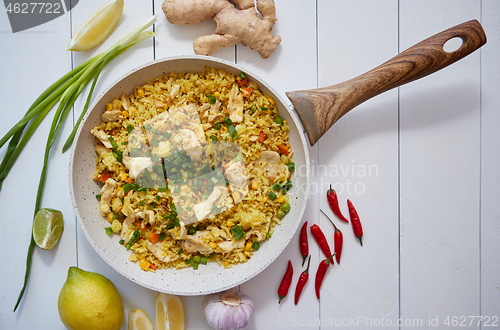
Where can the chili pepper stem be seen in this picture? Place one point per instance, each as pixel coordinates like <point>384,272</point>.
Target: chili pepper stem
<point>304,259</point>
<point>336,229</point>
<point>360,240</point>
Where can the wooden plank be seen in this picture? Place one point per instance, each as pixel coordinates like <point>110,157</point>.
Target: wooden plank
<point>31,61</point>
<point>490,162</point>
<point>359,157</point>
<point>439,147</point>
<point>292,66</point>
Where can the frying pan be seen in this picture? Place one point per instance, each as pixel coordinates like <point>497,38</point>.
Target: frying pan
<point>318,110</point>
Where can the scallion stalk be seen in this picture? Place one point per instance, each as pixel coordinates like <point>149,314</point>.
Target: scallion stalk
<point>65,90</point>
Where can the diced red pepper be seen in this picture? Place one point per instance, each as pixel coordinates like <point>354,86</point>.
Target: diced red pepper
<point>283,149</point>
<point>262,137</point>
<point>242,82</point>
<point>246,91</point>
<point>105,176</point>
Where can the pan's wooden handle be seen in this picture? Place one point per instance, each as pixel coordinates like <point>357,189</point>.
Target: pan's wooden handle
<point>320,108</point>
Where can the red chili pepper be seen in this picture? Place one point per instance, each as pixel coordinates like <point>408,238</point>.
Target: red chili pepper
<point>321,240</point>
<point>105,176</point>
<point>338,239</point>
<point>304,245</point>
<point>304,276</point>
<point>320,274</point>
<point>356,224</point>
<point>333,201</point>
<point>285,282</point>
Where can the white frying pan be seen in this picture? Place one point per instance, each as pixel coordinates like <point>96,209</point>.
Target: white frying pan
<point>318,110</point>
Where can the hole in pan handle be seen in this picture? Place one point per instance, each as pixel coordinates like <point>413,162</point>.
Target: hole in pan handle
<point>320,108</point>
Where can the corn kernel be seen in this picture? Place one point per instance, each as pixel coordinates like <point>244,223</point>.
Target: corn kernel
<point>263,200</point>
<point>226,263</point>
<point>125,113</point>
<point>255,185</point>
<point>248,246</point>
<point>140,92</point>
<point>213,245</point>
<point>229,223</point>
<point>144,265</point>
<point>109,107</point>
<point>271,100</point>
<point>216,94</point>
<point>281,199</point>
<point>123,176</point>
<point>109,216</point>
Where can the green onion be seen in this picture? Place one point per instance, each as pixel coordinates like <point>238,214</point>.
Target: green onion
<point>278,120</point>
<point>291,166</point>
<point>217,126</point>
<point>214,138</point>
<point>227,121</point>
<point>276,187</point>
<point>129,128</point>
<point>238,232</point>
<point>191,231</point>
<point>162,236</point>
<point>135,237</point>
<point>121,241</point>
<point>211,99</point>
<point>263,108</point>
<point>170,226</point>
<point>232,131</point>
<point>98,197</point>
<point>179,252</point>
<point>118,155</point>
<point>109,230</point>
<point>115,216</point>
<point>242,76</point>
<point>177,190</point>
<point>154,158</point>
<point>157,198</point>
<point>272,196</point>
<point>255,246</point>
<point>113,142</point>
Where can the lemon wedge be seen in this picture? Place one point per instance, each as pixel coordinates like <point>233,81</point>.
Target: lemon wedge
<point>48,226</point>
<point>139,320</point>
<point>170,313</point>
<point>97,27</point>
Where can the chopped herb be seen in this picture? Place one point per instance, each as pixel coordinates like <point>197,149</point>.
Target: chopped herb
<point>121,241</point>
<point>238,232</point>
<point>276,187</point>
<point>124,143</point>
<point>139,189</point>
<point>291,166</point>
<point>227,121</point>
<point>278,120</point>
<point>232,131</point>
<point>118,155</point>
<point>172,207</point>
<point>255,246</point>
<point>162,236</point>
<point>179,252</point>
<point>113,142</point>
<point>163,189</point>
<point>98,197</point>
<point>272,196</point>
<point>157,198</point>
<point>175,221</point>
<point>170,226</point>
<point>268,235</point>
<point>263,108</point>
<point>115,216</point>
<point>242,76</point>
<point>135,237</point>
<point>214,138</point>
<point>217,126</point>
<point>109,230</point>
<point>129,128</point>
<point>211,99</point>
<point>142,203</point>
<point>191,231</point>
<point>126,187</point>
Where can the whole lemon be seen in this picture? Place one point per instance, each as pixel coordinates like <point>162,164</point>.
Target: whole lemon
<point>89,301</point>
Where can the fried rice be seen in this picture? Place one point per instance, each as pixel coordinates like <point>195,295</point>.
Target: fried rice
<point>168,207</point>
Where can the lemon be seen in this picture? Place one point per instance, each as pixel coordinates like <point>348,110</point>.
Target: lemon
<point>170,313</point>
<point>48,226</point>
<point>139,320</point>
<point>89,301</point>
<point>97,27</point>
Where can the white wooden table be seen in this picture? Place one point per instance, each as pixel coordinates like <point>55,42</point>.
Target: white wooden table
<point>420,163</point>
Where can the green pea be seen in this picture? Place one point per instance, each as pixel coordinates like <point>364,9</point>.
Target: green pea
<point>280,214</point>
<point>197,259</point>
<point>253,108</point>
<point>278,120</point>
<point>285,207</point>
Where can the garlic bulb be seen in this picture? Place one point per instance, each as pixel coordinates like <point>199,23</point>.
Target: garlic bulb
<point>228,310</point>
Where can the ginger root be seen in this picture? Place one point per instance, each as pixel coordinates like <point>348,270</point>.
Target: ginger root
<point>234,25</point>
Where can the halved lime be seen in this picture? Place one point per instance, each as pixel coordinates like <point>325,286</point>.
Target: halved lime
<point>48,226</point>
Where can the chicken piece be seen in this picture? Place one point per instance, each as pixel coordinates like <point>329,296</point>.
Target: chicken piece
<point>273,166</point>
<point>138,164</point>
<point>214,111</point>
<point>195,243</point>
<point>189,142</point>
<point>113,115</point>
<point>175,91</point>
<point>125,102</point>
<point>235,105</point>
<point>150,216</point>
<point>106,195</point>
<point>102,136</point>
<point>126,232</point>
<point>159,252</point>
<point>228,246</point>
<point>102,150</point>
<point>204,209</point>
<point>237,178</point>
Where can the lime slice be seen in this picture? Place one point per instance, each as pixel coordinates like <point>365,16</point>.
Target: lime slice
<point>48,226</point>
<point>98,27</point>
